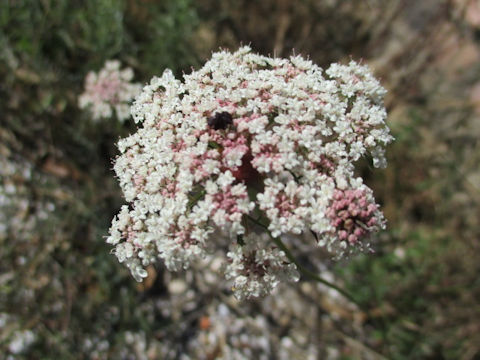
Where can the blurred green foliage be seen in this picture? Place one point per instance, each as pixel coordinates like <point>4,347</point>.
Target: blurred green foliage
<point>78,36</point>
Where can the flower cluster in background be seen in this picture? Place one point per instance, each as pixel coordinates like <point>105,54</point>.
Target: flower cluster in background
<point>244,146</point>
<point>109,91</point>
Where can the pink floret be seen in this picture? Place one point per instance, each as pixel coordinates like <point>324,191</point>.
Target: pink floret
<point>352,214</point>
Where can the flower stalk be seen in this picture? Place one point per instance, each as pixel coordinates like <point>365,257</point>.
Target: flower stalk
<point>303,270</point>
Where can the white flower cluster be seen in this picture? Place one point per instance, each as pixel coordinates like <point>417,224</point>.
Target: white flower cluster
<point>249,141</point>
<point>257,267</point>
<point>110,89</point>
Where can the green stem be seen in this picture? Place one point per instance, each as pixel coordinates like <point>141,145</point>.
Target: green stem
<point>306,272</point>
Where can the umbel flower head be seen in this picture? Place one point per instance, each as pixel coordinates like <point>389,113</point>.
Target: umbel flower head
<point>110,89</point>
<point>245,145</point>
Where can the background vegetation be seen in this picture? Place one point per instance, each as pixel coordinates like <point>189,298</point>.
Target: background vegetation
<point>57,278</point>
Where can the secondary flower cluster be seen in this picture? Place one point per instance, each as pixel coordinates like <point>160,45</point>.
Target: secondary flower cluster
<point>248,144</point>
<point>110,89</point>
